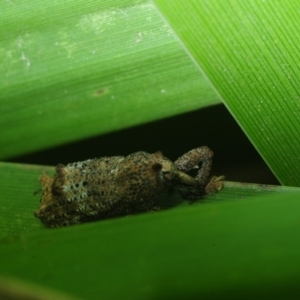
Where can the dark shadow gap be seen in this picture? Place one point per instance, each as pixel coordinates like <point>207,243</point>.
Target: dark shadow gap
<point>235,157</point>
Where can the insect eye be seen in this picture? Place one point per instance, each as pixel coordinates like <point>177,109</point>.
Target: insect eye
<point>156,167</point>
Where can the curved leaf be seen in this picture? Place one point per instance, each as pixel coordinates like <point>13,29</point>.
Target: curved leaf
<point>249,50</point>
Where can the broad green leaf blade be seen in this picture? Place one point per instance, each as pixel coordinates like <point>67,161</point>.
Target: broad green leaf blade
<point>249,50</point>
<point>19,198</point>
<point>73,69</point>
<point>235,249</point>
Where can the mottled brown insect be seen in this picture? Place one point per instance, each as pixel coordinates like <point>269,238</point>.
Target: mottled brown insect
<point>113,186</point>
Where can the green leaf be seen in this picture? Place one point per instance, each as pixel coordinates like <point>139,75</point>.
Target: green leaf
<point>249,50</point>
<point>19,197</point>
<point>74,69</point>
<point>224,249</point>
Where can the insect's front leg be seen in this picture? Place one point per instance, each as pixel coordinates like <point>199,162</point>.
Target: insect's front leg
<point>191,159</point>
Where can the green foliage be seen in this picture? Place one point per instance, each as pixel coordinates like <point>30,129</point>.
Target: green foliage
<point>74,69</point>
<point>221,248</point>
<point>249,52</point>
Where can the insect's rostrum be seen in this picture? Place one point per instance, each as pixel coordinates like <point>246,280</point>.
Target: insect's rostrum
<point>114,186</point>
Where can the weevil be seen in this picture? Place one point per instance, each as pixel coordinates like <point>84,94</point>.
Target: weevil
<point>107,187</point>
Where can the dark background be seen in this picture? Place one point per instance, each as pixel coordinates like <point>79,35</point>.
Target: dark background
<point>235,157</point>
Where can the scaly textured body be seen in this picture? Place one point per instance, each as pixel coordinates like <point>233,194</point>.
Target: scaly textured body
<point>113,186</point>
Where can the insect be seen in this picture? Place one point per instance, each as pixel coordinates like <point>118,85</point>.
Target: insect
<point>107,187</point>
